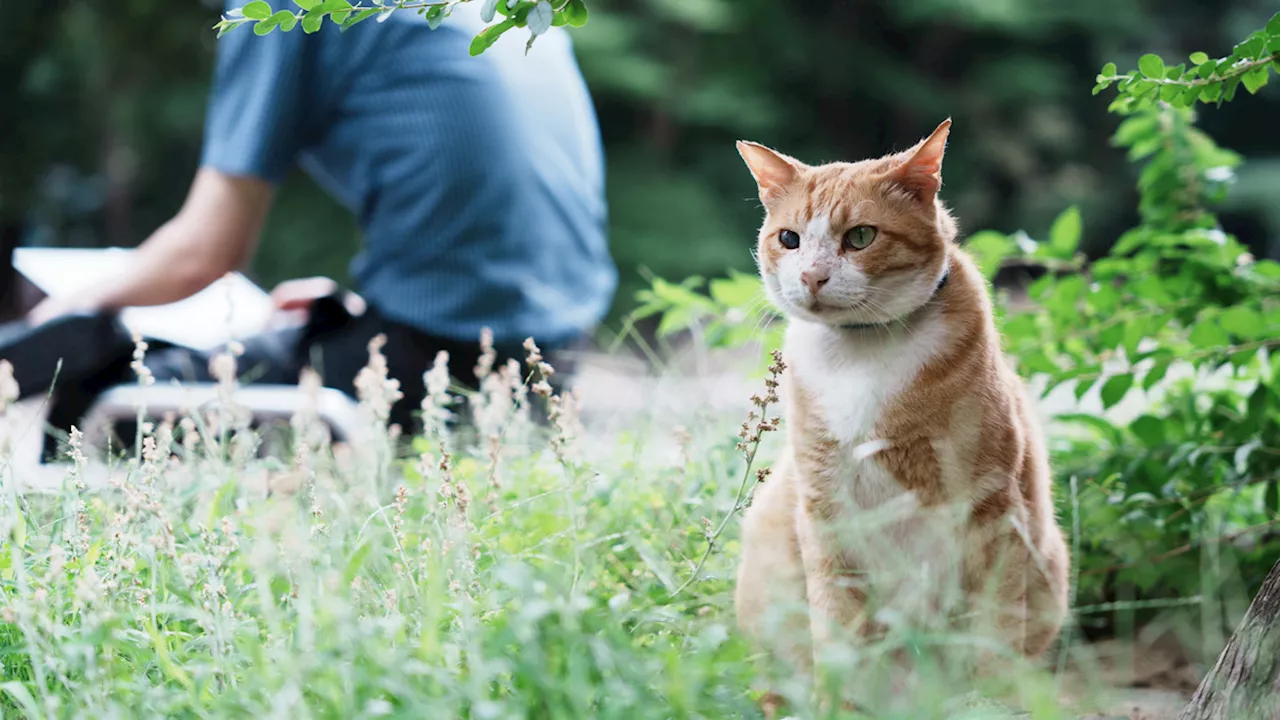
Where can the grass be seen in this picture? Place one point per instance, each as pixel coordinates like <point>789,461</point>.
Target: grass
<point>514,570</point>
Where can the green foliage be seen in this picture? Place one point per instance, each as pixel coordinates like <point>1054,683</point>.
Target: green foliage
<point>538,16</point>
<point>1205,79</point>
<point>1177,319</point>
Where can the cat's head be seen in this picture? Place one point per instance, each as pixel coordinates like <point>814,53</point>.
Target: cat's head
<point>853,243</point>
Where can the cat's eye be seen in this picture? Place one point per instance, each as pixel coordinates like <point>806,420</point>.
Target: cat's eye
<point>859,237</point>
<point>789,239</point>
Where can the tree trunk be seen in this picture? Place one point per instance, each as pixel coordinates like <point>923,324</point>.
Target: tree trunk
<point>1245,682</point>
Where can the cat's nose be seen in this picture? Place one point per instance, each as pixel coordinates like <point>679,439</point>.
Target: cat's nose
<point>814,280</point>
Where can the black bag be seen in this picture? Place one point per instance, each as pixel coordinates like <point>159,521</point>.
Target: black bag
<point>64,350</point>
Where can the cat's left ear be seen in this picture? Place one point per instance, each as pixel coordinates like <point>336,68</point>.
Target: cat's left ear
<point>921,172</point>
<point>773,171</point>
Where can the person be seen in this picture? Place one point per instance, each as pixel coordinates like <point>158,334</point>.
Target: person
<point>478,184</point>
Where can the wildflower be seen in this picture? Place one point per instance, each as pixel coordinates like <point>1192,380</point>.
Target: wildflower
<point>533,353</point>
<point>309,433</point>
<point>9,390</point>
<point>484,365</point>
<point>376,391</point>
<point>401,503</point>
<point>190,436</point>
<point>436,380</point>
<point>78,461</point>
<point>756,425</point>
<point>145,377</point>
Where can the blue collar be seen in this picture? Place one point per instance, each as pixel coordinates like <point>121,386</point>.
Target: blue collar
<point>942,282</point>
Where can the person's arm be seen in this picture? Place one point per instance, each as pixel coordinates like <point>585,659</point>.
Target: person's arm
<point>214,233</point>
<point>256,119</point>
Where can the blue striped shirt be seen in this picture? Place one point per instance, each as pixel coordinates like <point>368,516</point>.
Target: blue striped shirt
<point>478,182</point>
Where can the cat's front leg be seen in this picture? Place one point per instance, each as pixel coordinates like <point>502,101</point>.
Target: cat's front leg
<point>836,603</point>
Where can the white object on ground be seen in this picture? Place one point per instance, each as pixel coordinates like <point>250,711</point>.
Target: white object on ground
<point>232,308</point>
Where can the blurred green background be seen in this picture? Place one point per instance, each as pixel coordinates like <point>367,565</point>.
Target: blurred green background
<point>101,113</point>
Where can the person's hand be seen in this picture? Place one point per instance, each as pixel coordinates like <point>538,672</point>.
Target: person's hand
<point>299,294</point>
<point>55,307</point>
<point>296,296</point>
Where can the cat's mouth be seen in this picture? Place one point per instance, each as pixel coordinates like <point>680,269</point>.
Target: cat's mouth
<point>818,307</point>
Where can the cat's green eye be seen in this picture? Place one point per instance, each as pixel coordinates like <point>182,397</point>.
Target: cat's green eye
<point>859,237</point>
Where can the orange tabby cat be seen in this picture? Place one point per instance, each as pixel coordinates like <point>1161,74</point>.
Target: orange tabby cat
<point>915,486</point>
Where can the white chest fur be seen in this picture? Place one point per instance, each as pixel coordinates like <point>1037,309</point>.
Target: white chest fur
<point>853,378</point>
<point>854,375</point>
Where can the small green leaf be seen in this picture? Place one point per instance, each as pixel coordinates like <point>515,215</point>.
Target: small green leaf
<point>1142,87</point>
<point>1208,334</point>
<point>1151,66</point>
<point>435,17</point>
<point>1037,361</point>
<point>1255,79</point>
<point>1206,69</point>
<point>1250,49</point>
<point>1199,58</point>
<point>1211,92</point>
<point>1109,69</point>
<point>349,19</point>
<point>311,22</point>
<point>1243,322</point>
<point>307,4</point>
<point>1149,429</point>
<point>576,13</point>
<point>355,561</point>
<point>1114,389</point>
<point>989,248</point>
<point>257,10</point>
<point>1267,269</point>
<point>1064,235</point>
<point>490,35</point>
<point>264,27</point>
<point>19,528</point>
<point>285,19</point>
<point>1155,374</point>
<point>1229,93</point>
<point>1083,385</point>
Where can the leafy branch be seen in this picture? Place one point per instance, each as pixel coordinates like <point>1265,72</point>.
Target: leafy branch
<point>1206,79</point>
<point>538,16</point>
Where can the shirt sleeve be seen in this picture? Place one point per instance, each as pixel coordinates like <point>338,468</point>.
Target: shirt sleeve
<point>254,122</point>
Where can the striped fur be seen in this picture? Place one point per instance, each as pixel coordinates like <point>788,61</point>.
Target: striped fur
<point>915,482</point>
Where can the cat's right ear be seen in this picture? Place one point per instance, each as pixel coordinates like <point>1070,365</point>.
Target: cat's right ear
<point>773,171</point>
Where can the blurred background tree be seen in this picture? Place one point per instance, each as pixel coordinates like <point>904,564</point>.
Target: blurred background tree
<point>101,111</point>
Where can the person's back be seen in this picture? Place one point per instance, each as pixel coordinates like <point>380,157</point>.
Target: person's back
<point>478,181</point>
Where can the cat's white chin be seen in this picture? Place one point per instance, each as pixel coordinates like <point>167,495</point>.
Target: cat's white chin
<point>822,312</point>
